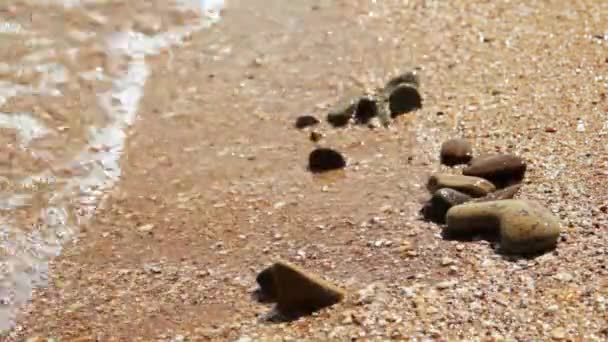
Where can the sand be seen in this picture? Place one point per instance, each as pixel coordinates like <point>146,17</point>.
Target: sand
<point>215,187</point>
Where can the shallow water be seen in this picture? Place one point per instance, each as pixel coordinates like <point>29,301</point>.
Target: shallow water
<point>68,92</point>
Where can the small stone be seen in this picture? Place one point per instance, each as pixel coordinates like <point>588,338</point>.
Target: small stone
<point>343,111</point>
<point>315,136</point>
<point>366,109</point>
<point>502,194</point>
<point>374,123</point>
<point>564,277</point>
<point>409,78</point>
<point>501,169</point>
<point>447,261</point>
<point>455,152</point>
<point>306,121</point>
<point>524,227</point>
<point>146,228</point>
<point>443,199</point>
<point>473,186</point>
<point>295,290</point>
<point>558,334</point>
<point>325,159</point>
<point>151,268</point>
<point>366,295</point>
<point>446,284</point>
<point>404,99</point>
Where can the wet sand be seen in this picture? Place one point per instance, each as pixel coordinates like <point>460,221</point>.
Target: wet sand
<point>214,184</point>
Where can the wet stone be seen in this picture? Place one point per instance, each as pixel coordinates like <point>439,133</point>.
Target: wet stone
<point>473,186</point>
<point>306,121</point>
<point>325,159</point>
<point>315,136</point>
<point>296,290</point>
<point>409,78</point>
<point>523,227</point>
<point>367,108</point>
<point>343,111</point>
<point>456,152</point>
<point>501,169</point>
<point>404,99</point>
<point>443,199</point>
<point>501,194</point>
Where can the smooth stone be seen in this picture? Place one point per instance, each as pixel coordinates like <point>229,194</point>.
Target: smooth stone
<point>315,136</point>
<point>501,194</point>
<point>409,77</point>
<point>297,291</point>
<point>343,111</point>
<point>524,227</point>
<point>474,186</point>
<point>306,121</point>
<point>367,108</point>
<point>441,201</point>
<point>404,98</point>
<point>455,152</point>
<point>501,169</point>
<point>325,159</point>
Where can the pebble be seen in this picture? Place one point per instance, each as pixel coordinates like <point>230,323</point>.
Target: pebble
<point>410,78</point>
<point>501,169</point>
<point>558,334</point>
<point>447,261</point>
<point>446,284</point>
<point>524,227</point>
<point>366,109</point>
<point>146,228</point>
<point>502,194</point>
<point>343,111</point>
<point>455,152</point>
<point>325,159</point>
<point>306,121</point>
<point>403,99</point>
<point>473,186</point>
<point>441,201</point>
<point>296,290</point>
<point>315,136</point>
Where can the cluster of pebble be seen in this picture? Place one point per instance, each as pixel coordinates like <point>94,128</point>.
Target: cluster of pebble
<point>294,290</point>
<point>480,202</point>
<point>375,109</point>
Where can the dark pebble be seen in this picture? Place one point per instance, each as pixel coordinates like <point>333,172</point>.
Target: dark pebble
<point>405,78</point>
<point>325,159</point>
<point>267,291</point>
<point>502,169</point>
<point>456,152</point>
<point>403,99</point>
<point>306,121</point>
<point>502,194</point>
<point>443,199</point>
<point>367,108</point>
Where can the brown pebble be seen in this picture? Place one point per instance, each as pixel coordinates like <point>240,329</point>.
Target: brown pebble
<point>501,169</point>
<point>315,136</point>
<point>297,291</point>
<point>456,151</point>
<point>473,186</point>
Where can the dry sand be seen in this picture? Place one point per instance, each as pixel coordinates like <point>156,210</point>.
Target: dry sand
<point>215,186</point>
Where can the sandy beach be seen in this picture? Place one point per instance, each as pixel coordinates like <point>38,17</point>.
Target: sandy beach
<point>213,185</point>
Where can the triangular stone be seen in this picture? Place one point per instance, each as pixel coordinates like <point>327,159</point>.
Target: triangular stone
<point>297,291</point>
